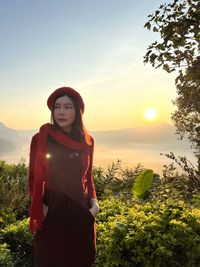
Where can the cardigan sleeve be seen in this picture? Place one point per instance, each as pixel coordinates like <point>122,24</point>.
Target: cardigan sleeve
<point>90,182</point>
<point>32,159</point>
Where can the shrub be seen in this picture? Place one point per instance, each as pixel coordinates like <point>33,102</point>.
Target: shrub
<point>115,180</point>
<point>14,195</point>
<point>159,234</point>
<point>6,217</point>
<point>162,232</point>
<point>192,174</point>
<point>111,207</point>
<point>5,256</point>
<point>20,243</point>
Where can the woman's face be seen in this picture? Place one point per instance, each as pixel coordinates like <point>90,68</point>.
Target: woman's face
<point>64,113</point>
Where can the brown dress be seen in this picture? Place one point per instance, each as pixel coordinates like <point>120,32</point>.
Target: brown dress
<point>68,235</point>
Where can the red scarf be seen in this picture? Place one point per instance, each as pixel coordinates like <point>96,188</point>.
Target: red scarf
<point>42,177</point>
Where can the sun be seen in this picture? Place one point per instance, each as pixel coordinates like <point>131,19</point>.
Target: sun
<point>150,114</point>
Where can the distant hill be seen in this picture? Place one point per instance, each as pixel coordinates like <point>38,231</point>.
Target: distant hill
<point>6,146</point>
<point>155,135</point>
<point>13,142</point>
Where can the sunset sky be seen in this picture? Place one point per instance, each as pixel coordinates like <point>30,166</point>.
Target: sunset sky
<point>94,46</point>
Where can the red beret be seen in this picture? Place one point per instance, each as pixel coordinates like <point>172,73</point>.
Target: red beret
<point>61,91</point>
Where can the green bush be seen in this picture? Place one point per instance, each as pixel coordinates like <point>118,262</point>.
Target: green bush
<point>115,181</point>
<point>159,234</point>
<point>19,241</point>
<point>111,207</point>
<point>14,197</point>
<point>159,231</point>
<point>6,217</point>
<point>6,259</point>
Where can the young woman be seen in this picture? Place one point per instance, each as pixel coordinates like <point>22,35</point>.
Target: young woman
<point>63,197</point>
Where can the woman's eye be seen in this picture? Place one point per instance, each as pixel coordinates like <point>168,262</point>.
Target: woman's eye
<point>66,107</point>
<point>69,107</point>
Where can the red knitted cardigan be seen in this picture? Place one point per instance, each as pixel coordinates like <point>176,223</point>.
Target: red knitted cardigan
<point>39,174</point>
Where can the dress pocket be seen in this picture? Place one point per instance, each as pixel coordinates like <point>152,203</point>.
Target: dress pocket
<point>91,217</point>
<point>44,224</point>
<point>45,220</point>
<point>80,216</point>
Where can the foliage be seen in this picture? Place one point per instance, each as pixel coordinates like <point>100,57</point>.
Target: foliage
<point>13,189</point>
<point>115,180</point>
<point>193,175</point>
<point>187,116</point>
<point>171,187</point>
<point>110,207</point>
<point>19,243</point>
<point>142,184</point>
<point>178,24</point>
<point>6,217</point>
<point>15,238</point>
<point>6,259</point>
<point>130,232</point>
<point>177,184</point>
<point>150,235</point>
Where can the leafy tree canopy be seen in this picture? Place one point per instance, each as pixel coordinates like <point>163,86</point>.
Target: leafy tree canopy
<point>178,48</point>
<point>179,27</point>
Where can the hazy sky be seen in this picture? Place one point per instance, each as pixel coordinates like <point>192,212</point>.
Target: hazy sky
<point>94,46</point>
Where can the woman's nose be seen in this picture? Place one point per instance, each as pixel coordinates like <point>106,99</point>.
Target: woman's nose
<point>61,110</point>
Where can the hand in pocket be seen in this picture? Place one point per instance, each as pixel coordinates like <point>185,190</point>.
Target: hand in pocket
<point>93,212</point>
<point>45,210</point>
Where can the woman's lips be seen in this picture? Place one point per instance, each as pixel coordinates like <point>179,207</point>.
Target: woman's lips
<point>62,120</point>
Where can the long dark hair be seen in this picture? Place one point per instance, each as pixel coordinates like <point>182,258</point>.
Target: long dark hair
<point>77,132</point>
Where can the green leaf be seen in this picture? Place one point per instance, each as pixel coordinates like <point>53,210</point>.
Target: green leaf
<point>155,29</point>
<point>147,25</point>
<point>142,183</point>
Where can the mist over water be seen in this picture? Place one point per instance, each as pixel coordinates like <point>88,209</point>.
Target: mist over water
<point>144,154</point>
<point>147,156</point>
<point>132,146</point>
